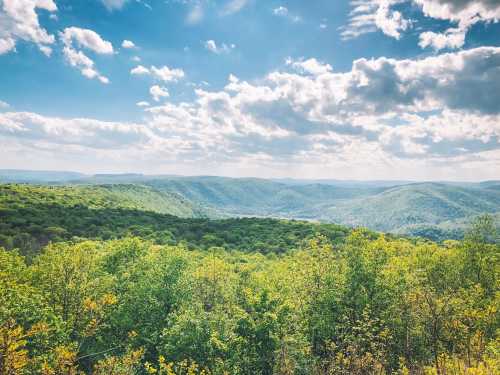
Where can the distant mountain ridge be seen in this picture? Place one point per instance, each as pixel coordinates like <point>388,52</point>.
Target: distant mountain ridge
<point>27,176</point>
<point>431,209</point>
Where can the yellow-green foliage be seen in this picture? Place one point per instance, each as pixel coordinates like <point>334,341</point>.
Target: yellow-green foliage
<point>368,305</point>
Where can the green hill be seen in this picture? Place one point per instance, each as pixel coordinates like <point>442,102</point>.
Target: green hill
<point>129,196</point>
<point>404,208</point>
<point>32,216</point>
<point>432,210</point>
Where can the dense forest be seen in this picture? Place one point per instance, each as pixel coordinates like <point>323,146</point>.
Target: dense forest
<point>93,281</point>
<point>32,216</point>
<point>437,211</point>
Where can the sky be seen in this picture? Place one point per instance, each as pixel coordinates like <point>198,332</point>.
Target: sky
<point>360,89</point>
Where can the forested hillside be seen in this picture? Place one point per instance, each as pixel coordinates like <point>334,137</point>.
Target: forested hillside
<point>416,208</point>
<point>366,305</point>
<point>436,211</point>
<point>31,216</point>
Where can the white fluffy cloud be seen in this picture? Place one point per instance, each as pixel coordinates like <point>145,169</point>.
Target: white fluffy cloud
<point>372,15</point>
<point>167,74</point>
<point>451,38</point>
<point>465,12</point>
<point>85,133</point>
<point>85,38</point>
<point>73,38</point>
<point>163,73</point>
<point>212,46</point>
<point>139,70</point>
<point>426,117</point>
<point>158,92</point>
<point>19,21</point>
<point>128,44</point>
<point>311,66</point>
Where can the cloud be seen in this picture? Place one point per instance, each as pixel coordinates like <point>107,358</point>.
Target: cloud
<point>19,21</point>
<point>128,44</point>
<point>7,45</point>
<point>84,38</point>
<point>378,103</point>
<point>142,104</point>
<point>280,11</point>
<point>311,66</point>
<point>390,22</point>
<point>195,14</point>
<point>140,70</point>
<point>211,46</point>
<point>167,74</point>
<point>114,4</point>
<point>424,117</point>
<point>84,133</point>
<point>451,39</point>
<point>4,105</point>
<point>465,12</point>
<point>233,6</point>
<point>163,73</point>
<point>158,92</point>
<point>371,15</point>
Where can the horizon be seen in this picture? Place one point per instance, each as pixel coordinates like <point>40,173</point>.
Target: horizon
<point>166,175</point>
<point>402,90</point>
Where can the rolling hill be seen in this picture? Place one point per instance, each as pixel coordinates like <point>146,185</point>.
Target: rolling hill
<point>429,209</point>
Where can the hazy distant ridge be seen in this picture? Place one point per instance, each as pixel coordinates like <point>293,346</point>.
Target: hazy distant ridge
<point>430,209</point>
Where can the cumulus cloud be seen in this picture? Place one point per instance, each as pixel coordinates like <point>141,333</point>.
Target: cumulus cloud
<point>85,38</point>
<point>140,70</point>
<point>451,38</point>
<point>163,73</point>
<point>465,12</point>
<point>321,109</point>
<point>128,44</point>
<point>381,115</point>
<point>73,38</point>
<point>372,15</point>
<point>311,66</point>
<point>4,105</point>
<point>142,104</point>
<point>87,133</point>
<point>167,74</point>
<point>158,92</point>
<point>19,21</point>
<point>211,46</point>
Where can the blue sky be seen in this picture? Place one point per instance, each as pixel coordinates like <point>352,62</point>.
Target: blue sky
<point>361,89</point>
